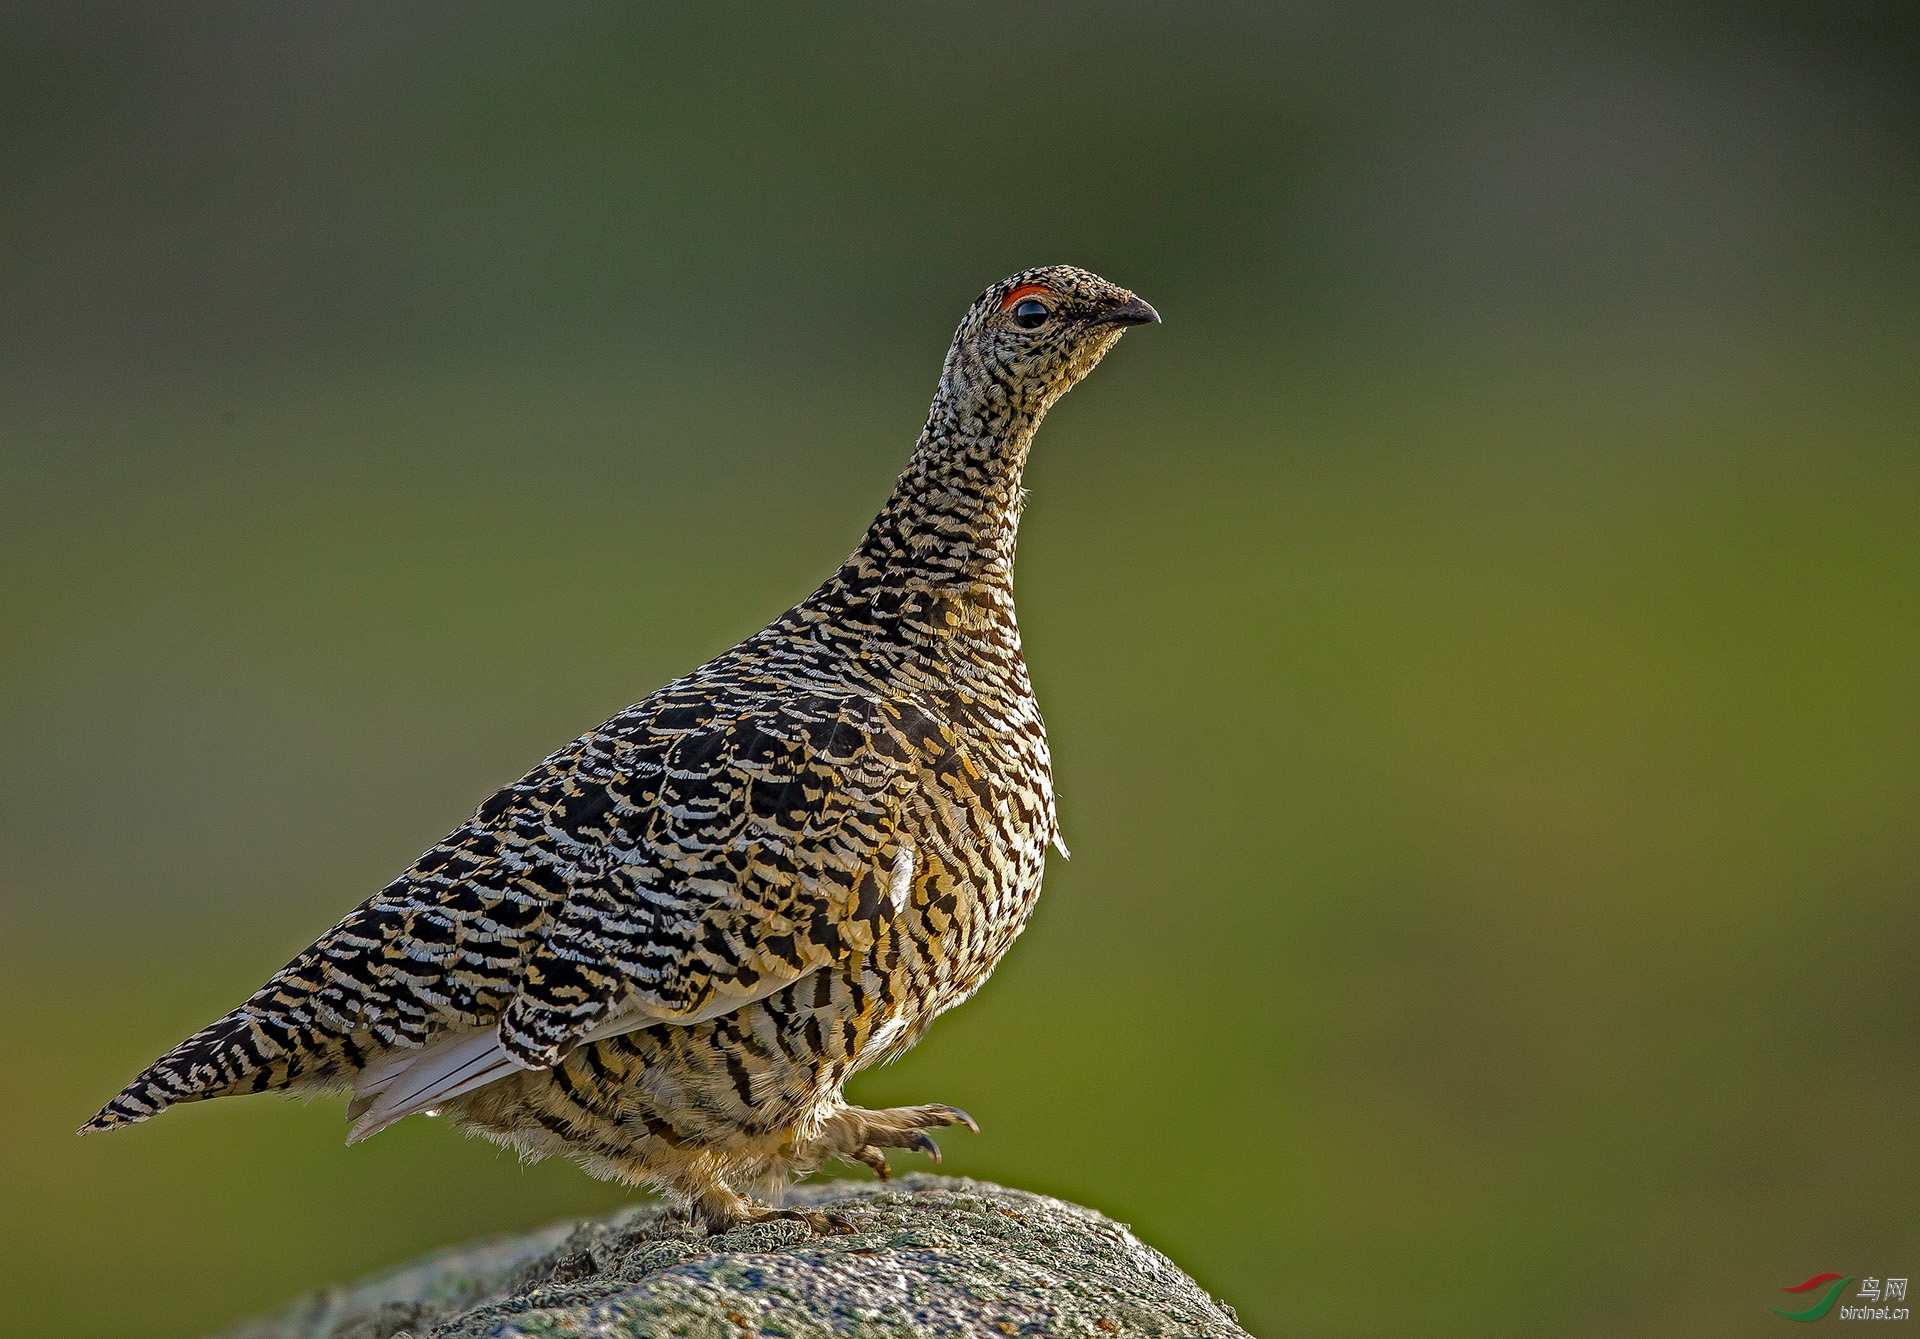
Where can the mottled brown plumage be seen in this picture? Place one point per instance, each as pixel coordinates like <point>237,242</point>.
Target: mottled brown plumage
<point>665,949</point>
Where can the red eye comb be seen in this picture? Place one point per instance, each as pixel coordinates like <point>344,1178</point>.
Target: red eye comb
<point>1024,291</point>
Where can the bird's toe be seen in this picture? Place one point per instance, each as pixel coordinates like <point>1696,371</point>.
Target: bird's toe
<point>954,1116</point>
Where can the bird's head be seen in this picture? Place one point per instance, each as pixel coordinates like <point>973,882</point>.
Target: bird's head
<point>1035,333</point>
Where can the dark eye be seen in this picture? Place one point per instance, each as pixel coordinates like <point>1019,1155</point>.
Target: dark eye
<point>1031,314</point>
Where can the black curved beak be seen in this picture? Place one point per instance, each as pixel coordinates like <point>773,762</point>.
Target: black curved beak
<point>1135,312</point>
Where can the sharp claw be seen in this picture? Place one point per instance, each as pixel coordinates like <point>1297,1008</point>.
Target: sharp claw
<point>923,1141</point>
<point>875,1159</point>
<point>959,1117</point>
<point>816,1221</point>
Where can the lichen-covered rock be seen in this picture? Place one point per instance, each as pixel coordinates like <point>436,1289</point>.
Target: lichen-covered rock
<point>931,1256</point>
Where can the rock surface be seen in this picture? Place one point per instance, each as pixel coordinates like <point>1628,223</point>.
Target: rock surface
<point>931,1256</point>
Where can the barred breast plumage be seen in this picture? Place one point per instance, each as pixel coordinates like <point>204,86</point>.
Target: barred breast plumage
<point>664,950</point>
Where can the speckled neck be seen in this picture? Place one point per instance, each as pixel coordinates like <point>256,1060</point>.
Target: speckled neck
<point>952,523</point>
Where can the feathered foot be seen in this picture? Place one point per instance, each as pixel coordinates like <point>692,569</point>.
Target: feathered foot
<point>722,1210</point>
<point>862,1136</point>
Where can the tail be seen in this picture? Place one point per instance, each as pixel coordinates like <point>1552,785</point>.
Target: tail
<point>237,1054</point>
<point>305,1028</point>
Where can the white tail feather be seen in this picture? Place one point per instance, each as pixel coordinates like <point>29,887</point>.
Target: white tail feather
<point>445,1068</point>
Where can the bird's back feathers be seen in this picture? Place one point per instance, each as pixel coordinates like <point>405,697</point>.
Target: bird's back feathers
<point>699,851</point>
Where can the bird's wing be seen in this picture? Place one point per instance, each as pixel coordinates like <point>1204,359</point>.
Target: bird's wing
<point>716,861</point>
<point>685,859</point>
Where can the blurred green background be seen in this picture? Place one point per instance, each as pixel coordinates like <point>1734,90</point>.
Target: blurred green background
<point>1480,632</point>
